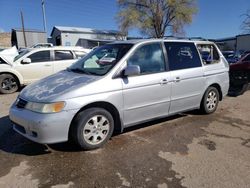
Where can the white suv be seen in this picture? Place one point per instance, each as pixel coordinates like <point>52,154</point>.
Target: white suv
<point>34,64</point>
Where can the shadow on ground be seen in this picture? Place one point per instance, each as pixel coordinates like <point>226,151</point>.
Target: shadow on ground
<point>71,147</point>
<point>12,142</point>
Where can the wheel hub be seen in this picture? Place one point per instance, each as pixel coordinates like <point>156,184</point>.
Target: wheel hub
<point>8,84</point>
<point>96,129</point>
<point>211,100</point>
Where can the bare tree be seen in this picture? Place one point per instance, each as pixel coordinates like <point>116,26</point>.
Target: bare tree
<point>154,17</point>
<point>245,26</point>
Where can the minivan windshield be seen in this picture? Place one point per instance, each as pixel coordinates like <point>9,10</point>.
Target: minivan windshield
<point>101,60</point>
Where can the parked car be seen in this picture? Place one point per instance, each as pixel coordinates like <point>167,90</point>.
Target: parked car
<point>141,81</point>
<point>32,65</point>
<point>240,72</point>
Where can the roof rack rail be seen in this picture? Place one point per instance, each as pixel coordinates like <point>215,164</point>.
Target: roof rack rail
<point>185,38</point>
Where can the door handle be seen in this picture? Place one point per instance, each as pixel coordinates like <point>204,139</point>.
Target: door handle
<point>177,79</point>
<point>164,81</point>
<point>47,65</point>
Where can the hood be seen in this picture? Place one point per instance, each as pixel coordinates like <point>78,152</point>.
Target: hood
<point>55,86</point>
<point>8,59</point>
<point>9,54</point>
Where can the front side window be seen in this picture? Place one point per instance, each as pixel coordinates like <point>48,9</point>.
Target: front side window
<point>182,55</point>
<point>149,58</point>
<point>209,53</point>
<point>247,58</point>
<point>41,56</point>
<point>63,55</point>
<point>101,60</point>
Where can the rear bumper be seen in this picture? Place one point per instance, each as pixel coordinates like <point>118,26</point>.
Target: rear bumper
<point>42,128</point>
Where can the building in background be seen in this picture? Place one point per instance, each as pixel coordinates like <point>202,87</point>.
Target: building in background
<point>32,37</point>
<point>85,37</point>
<point>237,43</point>
<point>5,39</point>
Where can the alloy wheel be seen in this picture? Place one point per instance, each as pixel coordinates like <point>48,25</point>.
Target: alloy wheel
<point>96,129</point>
<point>212,100</point>
<point>9,84</point>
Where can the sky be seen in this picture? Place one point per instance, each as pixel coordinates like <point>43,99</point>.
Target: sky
<point>215,18</point>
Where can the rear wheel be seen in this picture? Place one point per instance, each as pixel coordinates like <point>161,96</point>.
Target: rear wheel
<point>92,128</point>
<point>8,84</point>
<point>210,100</point>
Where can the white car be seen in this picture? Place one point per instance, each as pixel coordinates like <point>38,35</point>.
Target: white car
<point>34,64</point>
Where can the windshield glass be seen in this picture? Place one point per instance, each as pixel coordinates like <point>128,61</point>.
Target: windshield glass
<point>101,60</point>
<point>21,54</point>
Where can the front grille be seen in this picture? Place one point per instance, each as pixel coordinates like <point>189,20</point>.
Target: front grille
<point>21,103</point>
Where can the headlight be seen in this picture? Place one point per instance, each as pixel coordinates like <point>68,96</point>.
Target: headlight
<point>45,108</point>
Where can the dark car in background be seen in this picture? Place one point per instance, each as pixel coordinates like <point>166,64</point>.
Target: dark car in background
<point>240,73</point>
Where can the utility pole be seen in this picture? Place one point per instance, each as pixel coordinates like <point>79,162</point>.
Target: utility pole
<point>44,18</point>
<point>24,36</point>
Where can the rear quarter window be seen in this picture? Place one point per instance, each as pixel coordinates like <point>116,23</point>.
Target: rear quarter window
<point>209,54</point>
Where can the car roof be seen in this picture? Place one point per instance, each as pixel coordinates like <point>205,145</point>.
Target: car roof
<point>60,48</point>
<point>137,41</point>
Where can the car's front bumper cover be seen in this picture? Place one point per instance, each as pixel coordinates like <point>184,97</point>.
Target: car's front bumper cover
<point>42,128</point>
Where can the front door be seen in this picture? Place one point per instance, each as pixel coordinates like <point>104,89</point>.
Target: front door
<point>40,66</point>
<point>147,95</point>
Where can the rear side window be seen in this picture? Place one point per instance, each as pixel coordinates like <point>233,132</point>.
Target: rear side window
<point>149,58</point>
<point>41,56</point>
<point>63,55</point>
<point>209,54</point>
<point>79,54</point>
<point>182,55</point>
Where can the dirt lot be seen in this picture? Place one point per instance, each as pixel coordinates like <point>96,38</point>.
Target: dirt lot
<point>187,150</point>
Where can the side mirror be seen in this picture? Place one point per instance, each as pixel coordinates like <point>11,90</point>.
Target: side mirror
<point>26,61</point>
<point>132,70</point>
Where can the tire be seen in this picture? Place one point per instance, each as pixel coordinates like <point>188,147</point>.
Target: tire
<point>210,100</point>
<point>238,90</point>
<point>92,128</point>
<point>8,84</point>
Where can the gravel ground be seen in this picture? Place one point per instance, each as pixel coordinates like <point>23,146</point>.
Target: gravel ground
<point>187,150</point>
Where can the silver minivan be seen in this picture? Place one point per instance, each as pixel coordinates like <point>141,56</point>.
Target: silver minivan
<point>119,85</point>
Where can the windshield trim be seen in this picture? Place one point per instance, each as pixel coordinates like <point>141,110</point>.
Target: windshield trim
<point>21,55</point>
<point>98,70</point>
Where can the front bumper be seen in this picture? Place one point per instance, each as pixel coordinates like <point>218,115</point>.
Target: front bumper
<point>42,128</point>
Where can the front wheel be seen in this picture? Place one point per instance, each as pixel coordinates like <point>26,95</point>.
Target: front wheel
<point>8,84</point>
<point>92,128</point>
<point>210,100</point>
